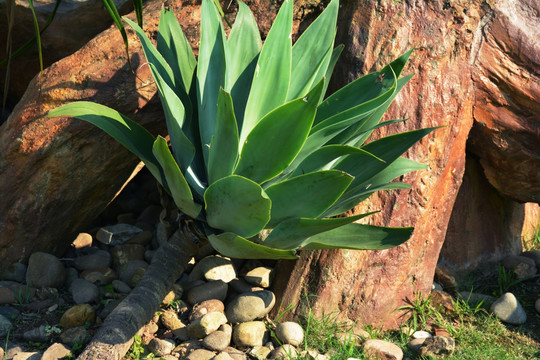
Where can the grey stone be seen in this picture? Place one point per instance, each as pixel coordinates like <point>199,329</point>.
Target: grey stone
<point>121,287</point>
<point>286,351</point>
<point>39,334</point>
<point>534,255</point>
<point>100,277</point>
<point>71,275</point>
<point>522,266</point>
<point>15,272</point>
<point>251,333</point>
<point>55,352</point>
<point>161,347</point>
<point>211,290</point>
<point>415,344</point>
<point>117,234</point>
<point>250,306</point>
<point>186,347</point>
<point>290,332</point>
<point>76,335</point>
<point>508,309</point>
<point>142,238</point>
<point>235,353</point>
<point>537,305</point>
<point>206,324</point>
<point>206,307</point>
<point>5,326</point>
<point>437,346</point>
<point>127,271</point>
<point>94,260</point>
<point>382,349</point>
<point>45,270</point>
<point>213,267</point>
<point>9,312</point>
<point>217,341</point>
<point>7,296</point>
<point>241,286</point>
<point>201,354</point>
<point>122,254</point>
<point>260,276</point>
<point>83,291</point>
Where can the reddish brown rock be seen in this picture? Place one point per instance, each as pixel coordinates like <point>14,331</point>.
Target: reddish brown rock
<point>58,174</point>
<point>506,132</point>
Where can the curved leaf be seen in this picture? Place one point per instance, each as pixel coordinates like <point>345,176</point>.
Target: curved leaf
<point>178,186</point>
<point>291,233</point>
<point>277,138</point>
<point>306,196</point>
<point>127,132</point>
<point>358,237</point>
<point>238,205</point>
<point>273,67</point>
<point>234,246</point>
<point>312,52</point>
<point>224,146</point>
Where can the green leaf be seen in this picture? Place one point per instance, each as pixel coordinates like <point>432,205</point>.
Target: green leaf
<point>211,72</point>
<point>325,157</point>
<point>359,237</point>
<point>244,48</point>
<point>137,6</point>
<point>127,132</point>
<point>154,57</point>
<point>175,49</point>
<point>291,233</point>
<point>331,65</point>
<point>238,205</point>
<point>183,149</point>
<point>234,246</point>
<point>273,67</point>
<point>178,186</point>
<point>224,146</point>
<point>312,52</point>
<point>306,195</point>
<point>277,138</point>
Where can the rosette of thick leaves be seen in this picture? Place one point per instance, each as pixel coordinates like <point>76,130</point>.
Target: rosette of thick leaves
<point>256,151</point>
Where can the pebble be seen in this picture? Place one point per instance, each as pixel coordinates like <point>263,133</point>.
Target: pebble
<point>217,341</point>
<point>83,291</point>
<point>26,355</point>
<point>250,306</point>
<point>260,352</point>
<point>290,333</point>
<point>443,302</point>
<point>38,334</point>
<point>251,333</point>
<point>161,347</point>
<point>201,354</point>
<point>437,346</point>
<point>260,276</point>
<point>56,351</point>
<point>9,312</point>
<point>45,270</point>
<point>121,287</point>
<point>82,240</point>
<point>5,326</point>
<point>508,309</point>
<point>537,305</point>
<point>421,335</point>
<point>211,290</point>
<point>206,307</point>
<point>222,356</point>
<point>94,260</point>
<point>187,347</point>
<point>7,296</point>
<point>241,286</point>
<point>286,351</point>
<point>100,276</point>
<point>78,315</point>
<point>213,267</point>
<point>235,353</point>
<point>76,335</point>
<point>375,348</point>
<point>143,238</point>
<point>206,324</point>
<point>534,255</point>
<point>415,344</point>
<point>522,266</point>
<point>15,272</point>
<point>170,320</point>
<point>117,234</point>
<point>122,254</point>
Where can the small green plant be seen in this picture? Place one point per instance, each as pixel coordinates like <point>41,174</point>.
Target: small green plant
<point>421,310</point>
<point>253,137</point>
<point>52,330</point>
<point>137,348</point>
<point>22,296</point>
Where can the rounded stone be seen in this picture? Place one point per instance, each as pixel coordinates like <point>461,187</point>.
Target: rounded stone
<point>121,287</point>
<point>260,276</point>
<point>142,238</point>
<point>122,254</point>
<point>250,306</point>
<point>83,291</point>
<point>206,307</point>
<point>211,290</point>
<point>45,270</point>
<point>534,255</point>
<point>82,240</point>
<point>100,276</point>
<point>251,333</point>
<point>217,341</point>
<point>201,354</point>
<point>5,326</point>
<point>213,267</point>
<point>290,332</point>
<point>15,272</point>
<point>78,315</point>
<point>286,351</point>
<point>537,305</point>
<point>170,320</point>
<point>76,335</point>
<point>421,334</point>
<point>206,324</point>
<point>437,346</point>
<point>7,296</point>
<point>95,260</point>
<point>222,356</point>
<point>522,266</point>
<point>374,348</point>
<point>508,309</point>
<point>173,295</point>
<point>161,347</point>
<point>56,351</point>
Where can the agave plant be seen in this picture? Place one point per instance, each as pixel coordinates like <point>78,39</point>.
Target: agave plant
<point>257,153</point>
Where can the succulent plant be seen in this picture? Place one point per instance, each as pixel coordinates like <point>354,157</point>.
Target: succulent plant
<point>257,153</point>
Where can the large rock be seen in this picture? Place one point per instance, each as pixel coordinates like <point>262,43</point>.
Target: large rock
<point>75,23</point>
<point>506,132</point>
<point>367,286</point>
<point>58,174</point>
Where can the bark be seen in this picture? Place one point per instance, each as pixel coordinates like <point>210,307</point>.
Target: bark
<point>114,337</point>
